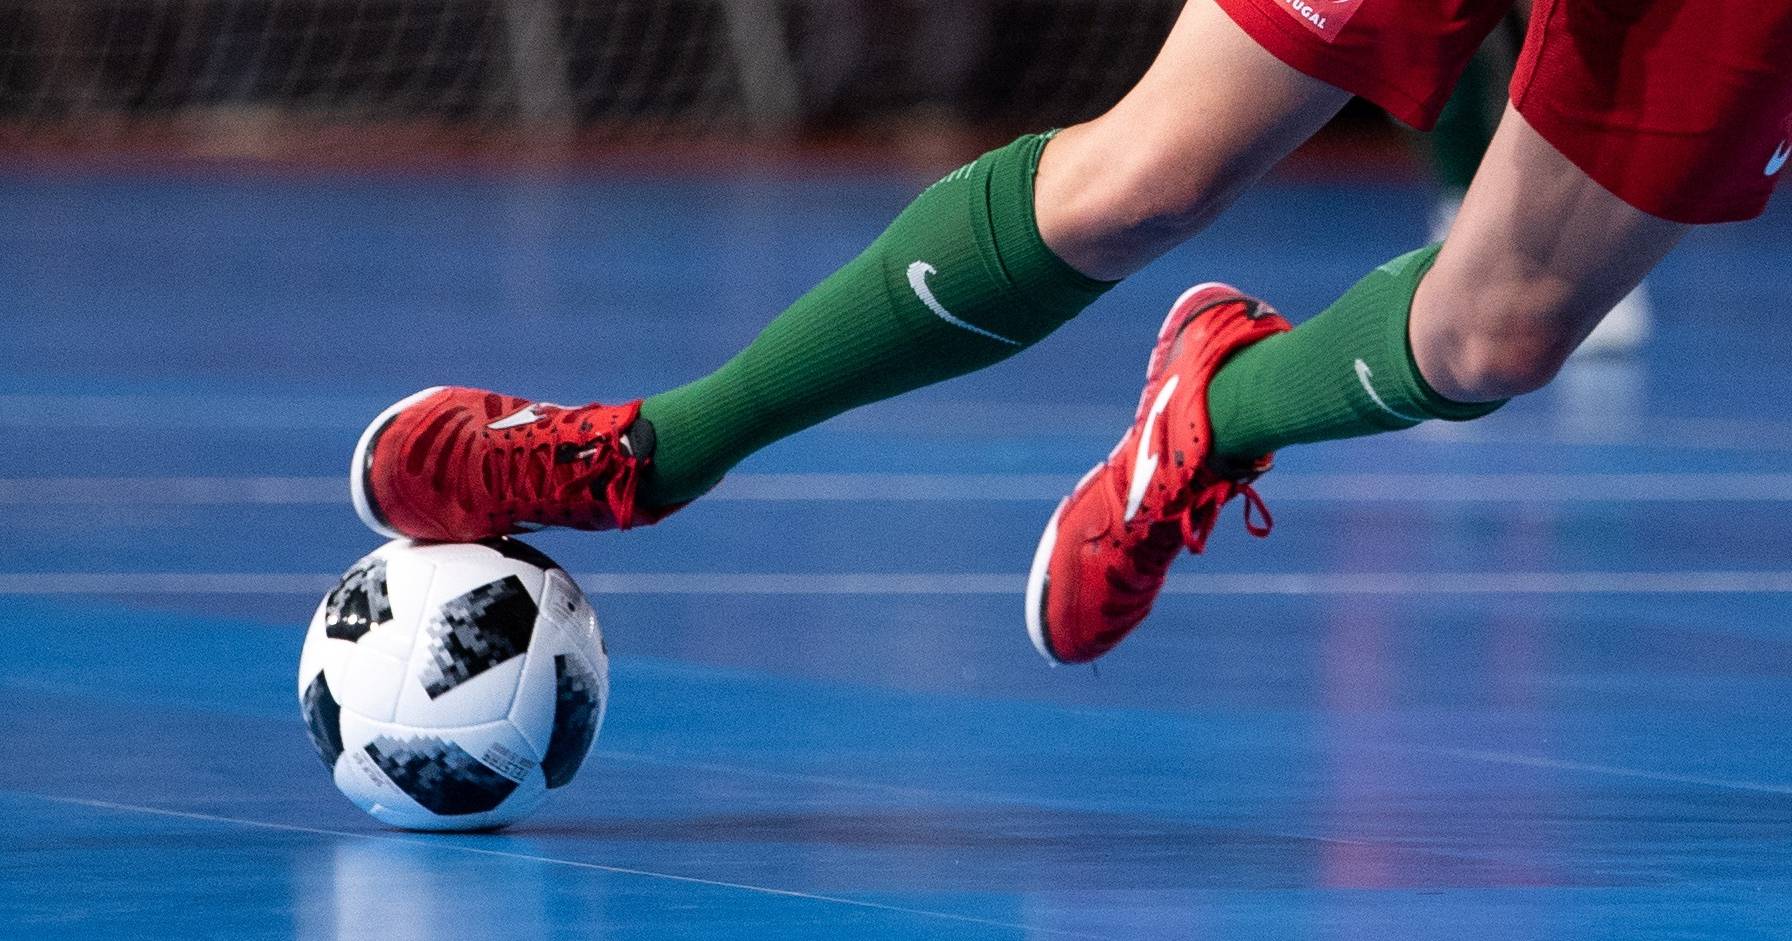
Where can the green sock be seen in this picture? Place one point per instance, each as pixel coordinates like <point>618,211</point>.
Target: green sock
<point>1347,372</point>
<point>1464,128</point>
<point>960,280</point>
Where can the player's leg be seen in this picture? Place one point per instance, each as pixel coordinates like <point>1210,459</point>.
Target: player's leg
<point>984,263</point>
<point>1588,183</point>
<point>1538,254</point>
<point>1508,299</point>
<point>1462,136</point>
<point>1226,381</point>
<point>1212,115</point>
<point>999,254</point>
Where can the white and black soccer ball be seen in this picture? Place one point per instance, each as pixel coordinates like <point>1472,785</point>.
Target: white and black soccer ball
<point>451,686</point>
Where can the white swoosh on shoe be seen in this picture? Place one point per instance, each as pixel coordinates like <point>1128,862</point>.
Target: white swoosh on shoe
<point>1144,463</point>
<point>525,416</point>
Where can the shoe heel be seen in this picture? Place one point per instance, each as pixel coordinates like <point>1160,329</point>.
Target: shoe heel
<point>361,464</point>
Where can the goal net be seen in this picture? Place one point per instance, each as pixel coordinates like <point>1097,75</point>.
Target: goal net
<point>276,73</point>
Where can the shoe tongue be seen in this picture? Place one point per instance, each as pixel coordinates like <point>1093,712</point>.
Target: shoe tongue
<point>1236,468</point>
<point>638,441</point>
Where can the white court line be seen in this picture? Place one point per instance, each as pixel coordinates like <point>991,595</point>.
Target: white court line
<point>963,488</point>
<point>1322,487</point>
<point>462,847</point>
<point>1533,761</point>
<point>1290,583</point>
<point>211,411</point>
<point>183,410</point>
<point>555,861</point>
<point>956,583</point>
<point>173,491</point>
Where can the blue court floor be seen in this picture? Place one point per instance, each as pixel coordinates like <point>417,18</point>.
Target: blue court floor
<point>1527,678</point>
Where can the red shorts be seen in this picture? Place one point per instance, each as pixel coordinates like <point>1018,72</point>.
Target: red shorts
<point>1683,108</point>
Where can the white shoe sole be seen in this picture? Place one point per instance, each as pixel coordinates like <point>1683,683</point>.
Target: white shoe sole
<point>1039,574</point>
<point>1036,578</point>
<point>359,466</point>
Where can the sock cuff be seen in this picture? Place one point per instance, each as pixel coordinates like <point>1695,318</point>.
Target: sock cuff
<point>1406,272</point>
<point>1030,265</point>
<point>1436,406</point>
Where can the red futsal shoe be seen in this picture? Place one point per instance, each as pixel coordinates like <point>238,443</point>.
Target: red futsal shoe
<point>457,465</point>
<point>1109,545</point>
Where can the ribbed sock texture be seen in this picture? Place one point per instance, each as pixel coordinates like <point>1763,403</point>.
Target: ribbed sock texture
<point>1345,373</point>
<point>960,280</point>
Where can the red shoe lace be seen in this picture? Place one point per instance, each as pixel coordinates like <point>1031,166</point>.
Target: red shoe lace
<point>545,477</point>
<point>1204,512</point>
<point>1134,591</point>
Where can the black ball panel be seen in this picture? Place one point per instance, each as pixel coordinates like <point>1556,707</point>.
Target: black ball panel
<point>323,719</point>
<point>359,603</point>
<point>577,704</point>
<point>477,631</point>
<point>521,551</point>
<point>440,775</point>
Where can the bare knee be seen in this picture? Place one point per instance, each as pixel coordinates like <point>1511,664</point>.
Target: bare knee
<point>1152,208</point>
<point>1496,342</point>
<point>1109,206</point>
<point>1214,111</point>
<point>1538,255</point>
<point>1489,367</point>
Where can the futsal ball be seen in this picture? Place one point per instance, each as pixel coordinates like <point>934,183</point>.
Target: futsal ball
<point>452,686</point>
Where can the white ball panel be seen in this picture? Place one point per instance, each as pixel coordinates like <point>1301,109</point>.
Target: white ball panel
<point>565,606</point>
<point>532,709</point>
<point>367,682</point>
<point>460,568</point>
<point>321,652</point>
<point>394,639</point>
<point>483,698</point>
